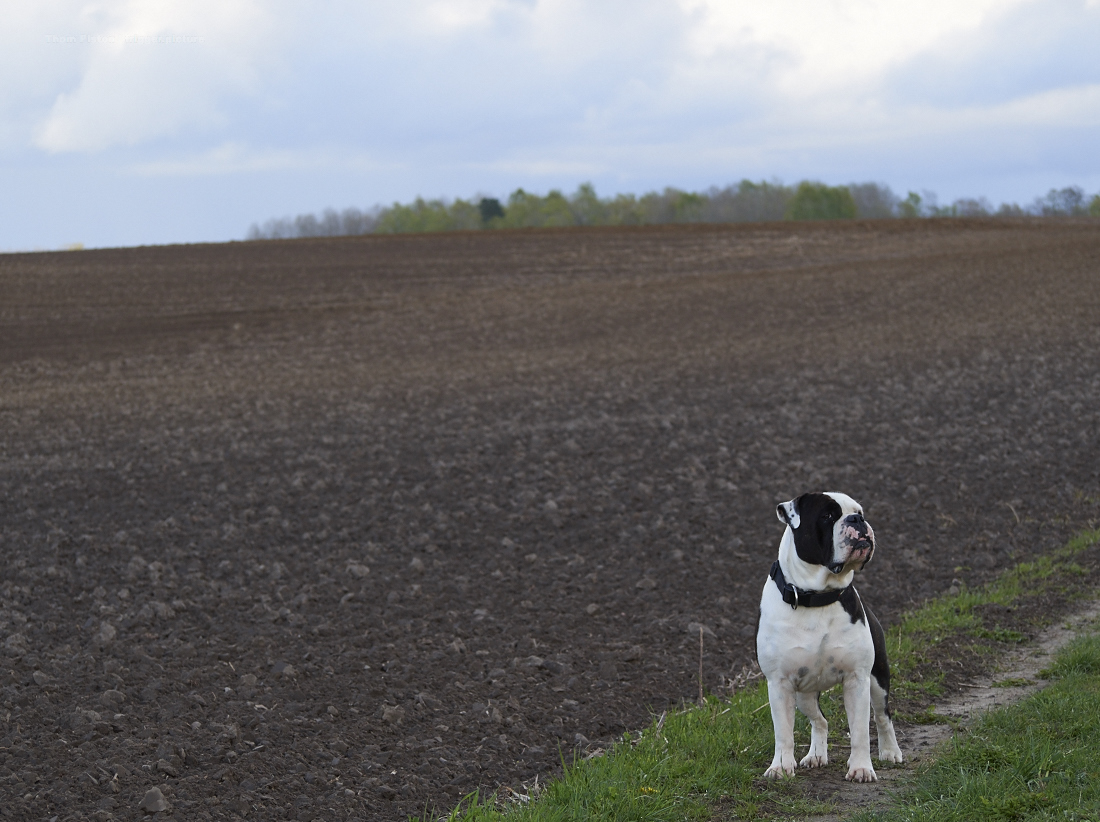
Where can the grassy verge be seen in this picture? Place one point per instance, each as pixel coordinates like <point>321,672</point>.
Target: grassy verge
<point>690,763</point>
<point>675,770</point>
<point>961,630</point>
<point>1034,760</point>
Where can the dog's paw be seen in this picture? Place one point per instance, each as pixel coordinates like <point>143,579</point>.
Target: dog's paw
<point>812,760</point>
<point>781,767</point>
<point>891,755</point>
<point>861,775</point>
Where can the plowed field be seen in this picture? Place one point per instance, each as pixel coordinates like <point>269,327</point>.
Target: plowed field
<point>348,528</point>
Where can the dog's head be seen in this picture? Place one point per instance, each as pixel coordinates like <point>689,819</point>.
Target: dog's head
<point>829,530</point>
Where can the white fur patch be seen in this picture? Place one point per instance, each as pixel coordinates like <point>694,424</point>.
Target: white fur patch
<point>792,514</point>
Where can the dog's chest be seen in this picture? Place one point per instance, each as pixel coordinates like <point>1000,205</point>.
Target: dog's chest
<point>813,648</point>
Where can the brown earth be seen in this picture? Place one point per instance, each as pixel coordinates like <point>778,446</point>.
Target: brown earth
<point>348,528</point>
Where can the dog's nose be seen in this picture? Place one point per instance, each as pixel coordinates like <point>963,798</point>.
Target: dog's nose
<point>855,519</point>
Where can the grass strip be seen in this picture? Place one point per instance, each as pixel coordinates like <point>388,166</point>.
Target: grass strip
<point>675,770</point>
<point>916,646</point>
<point>689,762</point>
<point>1033,760</point>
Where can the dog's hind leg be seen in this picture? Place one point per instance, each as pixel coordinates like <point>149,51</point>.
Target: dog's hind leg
<point>888,748</point>
<point>810,705</point>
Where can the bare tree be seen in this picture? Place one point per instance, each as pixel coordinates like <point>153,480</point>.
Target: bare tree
<point>1066,202</point>
<point>971,207</point>
<point>874,200</point>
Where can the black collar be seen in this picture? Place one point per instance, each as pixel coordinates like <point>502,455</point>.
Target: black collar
<point>795,596</point>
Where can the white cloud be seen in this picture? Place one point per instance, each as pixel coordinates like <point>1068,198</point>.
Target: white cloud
<point>1075,108</point>
<point>530,73</point>
<point>149,69</point>
<point>1018,53</point>
<point>539,167</point>
<point>450,16</point>
<point>237,158</point>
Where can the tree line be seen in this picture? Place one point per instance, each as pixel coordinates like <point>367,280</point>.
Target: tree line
<point>745,201</point>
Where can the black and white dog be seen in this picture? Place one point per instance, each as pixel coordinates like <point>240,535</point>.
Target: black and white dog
<point>814,633</point>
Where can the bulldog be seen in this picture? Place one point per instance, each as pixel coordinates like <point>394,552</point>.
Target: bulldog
<point>814,632</point>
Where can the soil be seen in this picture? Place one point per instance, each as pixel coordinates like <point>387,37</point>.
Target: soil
<point>349,528</point>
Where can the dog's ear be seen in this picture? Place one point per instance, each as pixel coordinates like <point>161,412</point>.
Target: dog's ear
<point>788,513</point>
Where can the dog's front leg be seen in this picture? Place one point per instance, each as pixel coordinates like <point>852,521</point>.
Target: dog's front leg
<point>781,697</point>
<point>857,704</point>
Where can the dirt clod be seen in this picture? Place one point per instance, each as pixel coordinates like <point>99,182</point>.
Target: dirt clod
<point>153,801</point>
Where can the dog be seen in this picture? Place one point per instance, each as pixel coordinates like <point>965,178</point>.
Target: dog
<point>814,632</point>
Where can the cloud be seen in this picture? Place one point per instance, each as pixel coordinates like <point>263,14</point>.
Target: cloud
<point>238,158</point>
<point>151,69</point>
<point>1020,52</point>
<point>539,167</point>
<point>841,46</point>
<point>492,79</point>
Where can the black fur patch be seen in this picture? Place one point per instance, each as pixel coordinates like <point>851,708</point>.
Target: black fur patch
<point>852,604</point>
<point>881,669</point>
<point>813,538</point>
<point>755,637</point>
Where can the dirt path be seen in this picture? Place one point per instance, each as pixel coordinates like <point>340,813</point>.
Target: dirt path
<point>919,742</point>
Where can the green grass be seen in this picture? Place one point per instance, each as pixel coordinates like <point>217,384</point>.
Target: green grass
<point>1034,760</point>
<point>675,770</point>
<point>1013,682</point>
<point>914,643</point>
<point>696,760</point>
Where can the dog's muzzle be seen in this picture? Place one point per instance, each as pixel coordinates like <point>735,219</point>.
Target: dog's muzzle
<point>857,533</point>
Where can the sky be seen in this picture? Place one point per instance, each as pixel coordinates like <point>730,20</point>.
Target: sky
<point>132,122</point>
